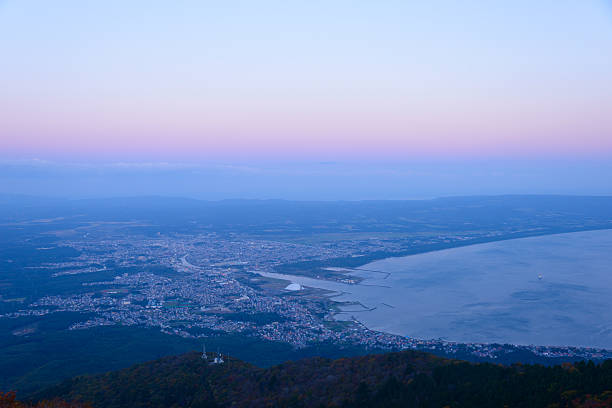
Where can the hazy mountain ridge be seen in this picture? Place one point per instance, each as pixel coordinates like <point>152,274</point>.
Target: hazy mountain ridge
<point>481,210</point>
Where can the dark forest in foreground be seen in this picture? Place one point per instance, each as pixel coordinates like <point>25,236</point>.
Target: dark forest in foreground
<point>403,379</point>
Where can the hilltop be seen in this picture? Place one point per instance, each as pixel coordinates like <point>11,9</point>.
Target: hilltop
<point>402,379</point>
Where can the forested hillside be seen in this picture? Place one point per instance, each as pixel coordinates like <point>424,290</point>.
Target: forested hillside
<point>405,379</point>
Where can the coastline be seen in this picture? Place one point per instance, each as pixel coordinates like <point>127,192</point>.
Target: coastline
<point>359,261</point>
<point>343,293</point>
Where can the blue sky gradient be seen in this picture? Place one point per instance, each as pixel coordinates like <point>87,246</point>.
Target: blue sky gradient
<point>305,99</point>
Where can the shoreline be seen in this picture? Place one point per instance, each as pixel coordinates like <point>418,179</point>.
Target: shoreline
<point>339,289</point>
<point>350,264</point>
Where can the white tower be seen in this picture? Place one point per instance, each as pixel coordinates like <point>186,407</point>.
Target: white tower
<point>204,352</point>
<point>218,358</point>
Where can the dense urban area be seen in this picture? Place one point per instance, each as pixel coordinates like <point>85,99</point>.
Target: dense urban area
<point>196,285</point>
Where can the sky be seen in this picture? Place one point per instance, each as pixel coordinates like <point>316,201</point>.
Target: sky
<point>314,99</point>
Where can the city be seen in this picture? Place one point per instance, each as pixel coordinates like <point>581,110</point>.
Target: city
<point>194,286</point>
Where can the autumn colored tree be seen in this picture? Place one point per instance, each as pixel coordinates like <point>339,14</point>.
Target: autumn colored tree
<point>9,400</point>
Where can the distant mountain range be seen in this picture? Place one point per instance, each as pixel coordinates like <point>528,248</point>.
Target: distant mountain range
<point>402,379</point>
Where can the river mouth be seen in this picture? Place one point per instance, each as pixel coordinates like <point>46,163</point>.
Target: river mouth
<point>547,290</point>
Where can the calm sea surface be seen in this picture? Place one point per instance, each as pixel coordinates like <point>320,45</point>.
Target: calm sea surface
<point>550,290</point>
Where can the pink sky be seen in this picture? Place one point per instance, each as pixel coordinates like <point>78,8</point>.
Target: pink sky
<point>311,80</point>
